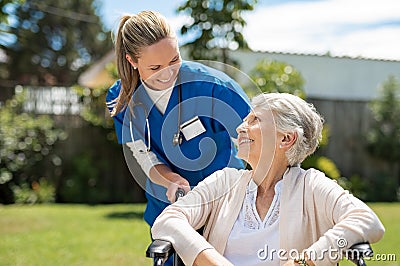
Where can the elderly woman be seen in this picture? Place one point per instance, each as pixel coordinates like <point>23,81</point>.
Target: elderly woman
<point>277,213</point>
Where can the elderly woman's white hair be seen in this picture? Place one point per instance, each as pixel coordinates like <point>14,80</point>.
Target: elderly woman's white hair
<point>293,114</point>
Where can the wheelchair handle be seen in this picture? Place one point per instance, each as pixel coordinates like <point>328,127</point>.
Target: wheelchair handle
<point>179,193</point>
<point>358,252</point>
<point>161,250</point>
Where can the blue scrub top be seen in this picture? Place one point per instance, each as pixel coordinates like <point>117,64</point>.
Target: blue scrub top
<point>212,96</point>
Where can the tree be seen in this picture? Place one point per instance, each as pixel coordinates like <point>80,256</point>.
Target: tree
<point>384,136</point>
<point>51,43</point>
<point>217,26</point>
<point>275,76</point>
<point>93,109</point>
<point>383,139</point>
<point>3,6</point>
<point>4,22</point>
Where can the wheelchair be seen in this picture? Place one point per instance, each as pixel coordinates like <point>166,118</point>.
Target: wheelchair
<point>161,250</point>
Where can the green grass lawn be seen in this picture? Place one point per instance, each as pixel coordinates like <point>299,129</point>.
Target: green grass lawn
<point>70,235</point>
<point>53,235</point>
<point>389,246</point>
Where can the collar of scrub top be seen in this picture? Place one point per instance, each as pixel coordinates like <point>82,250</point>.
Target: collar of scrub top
<point>177,137</point>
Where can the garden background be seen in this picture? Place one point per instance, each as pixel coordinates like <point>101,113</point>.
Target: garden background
<point>67,195</point>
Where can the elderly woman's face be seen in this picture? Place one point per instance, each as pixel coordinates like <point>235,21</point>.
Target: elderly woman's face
<point>257,138</point>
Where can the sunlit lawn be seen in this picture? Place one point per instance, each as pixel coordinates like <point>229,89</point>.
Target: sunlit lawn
<point>53,235</point>
<point>56,235</point>
<point>389,246</point>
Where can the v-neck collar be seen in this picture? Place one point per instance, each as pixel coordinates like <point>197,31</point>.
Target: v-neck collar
<point>143,96</point>
<point>251,196</point>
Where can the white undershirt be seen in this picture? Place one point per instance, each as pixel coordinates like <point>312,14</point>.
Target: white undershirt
<point>252,241</point>
<point>159,97</point>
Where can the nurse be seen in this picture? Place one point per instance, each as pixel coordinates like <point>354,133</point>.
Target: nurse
<point>176,117</point>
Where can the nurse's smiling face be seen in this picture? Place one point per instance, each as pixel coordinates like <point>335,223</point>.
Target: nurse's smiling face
<point>159,64</point>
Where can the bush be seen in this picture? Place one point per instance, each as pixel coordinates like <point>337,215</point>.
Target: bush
<point>382,188</point>
<point>25,139</point>
<point>83,184</point>
<point>39,192</point>
<point>383,140</point>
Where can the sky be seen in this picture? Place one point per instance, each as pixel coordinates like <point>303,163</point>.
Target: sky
<point>353,28</point>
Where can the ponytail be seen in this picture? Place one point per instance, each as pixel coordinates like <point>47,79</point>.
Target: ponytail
<point>128,75</point>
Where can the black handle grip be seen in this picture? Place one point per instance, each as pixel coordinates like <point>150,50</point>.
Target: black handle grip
<point>179,193</point>
<point>160,249</point>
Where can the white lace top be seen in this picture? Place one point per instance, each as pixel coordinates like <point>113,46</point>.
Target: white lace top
<point>253,241</point>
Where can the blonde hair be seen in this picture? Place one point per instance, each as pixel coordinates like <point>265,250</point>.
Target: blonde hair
<point>293,114</point>
<point>134,33</point>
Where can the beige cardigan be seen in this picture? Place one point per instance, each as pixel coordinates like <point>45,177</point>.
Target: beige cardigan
<point>315,212</point>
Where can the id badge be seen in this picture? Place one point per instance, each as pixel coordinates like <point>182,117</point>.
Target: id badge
<point>192,128</point>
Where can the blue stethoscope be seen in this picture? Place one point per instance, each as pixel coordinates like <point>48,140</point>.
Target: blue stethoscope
<point>177,137</point>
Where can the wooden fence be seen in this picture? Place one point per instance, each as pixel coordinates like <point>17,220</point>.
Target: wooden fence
<point>88,155</point>
<point>348,123</point>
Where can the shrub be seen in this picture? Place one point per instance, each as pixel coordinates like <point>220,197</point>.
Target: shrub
<point>25,139</point>
<point>383,139</point>
<point>39,192</point>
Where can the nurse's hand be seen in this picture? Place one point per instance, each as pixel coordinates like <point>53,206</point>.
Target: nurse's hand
<point>178,182</point>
